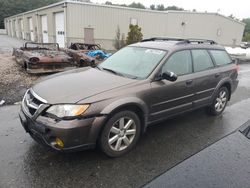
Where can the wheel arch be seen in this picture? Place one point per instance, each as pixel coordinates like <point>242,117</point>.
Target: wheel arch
<point>132,104</point>
<point>224,83</point>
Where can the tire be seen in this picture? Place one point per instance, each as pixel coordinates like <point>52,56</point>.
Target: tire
<point>219,102</point>
<point>117,140</point>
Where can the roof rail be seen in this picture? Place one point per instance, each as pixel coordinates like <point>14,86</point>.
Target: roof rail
<point>180,40</point>
<point>163,39</point>
<point>201,41</point>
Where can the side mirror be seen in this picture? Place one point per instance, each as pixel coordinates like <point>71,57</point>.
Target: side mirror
<point>170,76</point>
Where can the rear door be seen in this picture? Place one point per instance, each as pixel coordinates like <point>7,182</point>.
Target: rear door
<point>169,98</point>
<point>206,77</point>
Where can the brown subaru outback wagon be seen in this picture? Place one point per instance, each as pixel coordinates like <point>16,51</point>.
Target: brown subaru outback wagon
<point>113,103</point>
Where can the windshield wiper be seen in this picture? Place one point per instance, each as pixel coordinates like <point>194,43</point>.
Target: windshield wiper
<point>112,71</point>
<point>117,73</point>
<point>96,66</point>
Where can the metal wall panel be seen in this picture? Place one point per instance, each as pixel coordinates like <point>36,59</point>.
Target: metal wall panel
<point>105,20</point>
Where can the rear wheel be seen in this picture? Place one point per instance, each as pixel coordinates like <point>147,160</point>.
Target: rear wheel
<point>120,134</point>
<point>219,102</point>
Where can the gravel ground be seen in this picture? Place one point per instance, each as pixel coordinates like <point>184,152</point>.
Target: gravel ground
<point>13,80</point>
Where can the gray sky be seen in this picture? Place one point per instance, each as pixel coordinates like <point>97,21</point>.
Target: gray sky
<point>239,8</point>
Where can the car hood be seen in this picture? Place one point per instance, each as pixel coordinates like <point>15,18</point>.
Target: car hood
<point>79,84</point>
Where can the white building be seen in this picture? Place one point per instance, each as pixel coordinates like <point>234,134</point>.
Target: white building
<point>77,21</point>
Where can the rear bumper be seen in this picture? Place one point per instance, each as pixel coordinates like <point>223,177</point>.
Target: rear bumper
<point>75,134</point>
<point>234,85</point>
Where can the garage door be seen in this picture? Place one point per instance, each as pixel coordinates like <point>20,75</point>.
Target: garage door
<point>9,28</point>
<point>59,22</point>
<point>21,24</point>
<point>10,25</point>
<point>16,28</point>
<point>31,29</point>
<point>45,28</point>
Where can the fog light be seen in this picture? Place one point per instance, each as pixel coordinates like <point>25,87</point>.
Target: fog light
<point>59,142</point>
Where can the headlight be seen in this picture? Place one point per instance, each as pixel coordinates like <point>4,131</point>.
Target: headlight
<point>67,110</point>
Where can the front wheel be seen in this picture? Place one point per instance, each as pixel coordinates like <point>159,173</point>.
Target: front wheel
<point>120,133</point>
<point>219,102</point>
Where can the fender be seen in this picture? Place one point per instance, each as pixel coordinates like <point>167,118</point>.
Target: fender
<point>124,102</point>
<point>129,101</point>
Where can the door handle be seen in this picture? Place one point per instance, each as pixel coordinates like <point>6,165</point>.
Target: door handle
<point>217,75</point>
<point>189,82</point>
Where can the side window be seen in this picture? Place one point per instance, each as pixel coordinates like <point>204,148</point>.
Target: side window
<point>180,63</point>
<point>202,60</point>
<point>220,57</point>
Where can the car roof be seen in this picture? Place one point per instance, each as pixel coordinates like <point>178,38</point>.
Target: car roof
<point>178,44</point>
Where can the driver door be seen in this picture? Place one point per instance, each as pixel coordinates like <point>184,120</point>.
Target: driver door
<point>170,98</point>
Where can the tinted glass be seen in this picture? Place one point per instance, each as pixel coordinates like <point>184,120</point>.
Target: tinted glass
<point>134,61</point>
<point>220,57</point>
<point>202,60</point>
<point>180,63</point>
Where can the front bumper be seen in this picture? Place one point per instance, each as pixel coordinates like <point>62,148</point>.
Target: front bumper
<point>39,69</point>
<point>75,134</point>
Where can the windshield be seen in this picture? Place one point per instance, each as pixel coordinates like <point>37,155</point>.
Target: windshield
<point>134,61</point>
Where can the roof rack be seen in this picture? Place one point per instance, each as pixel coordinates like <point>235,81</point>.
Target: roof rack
<point>163,39</point>
<point>180,40</point>
<point>201,41</point>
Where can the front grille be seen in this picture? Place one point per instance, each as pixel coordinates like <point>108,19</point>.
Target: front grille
<point>32,102</point>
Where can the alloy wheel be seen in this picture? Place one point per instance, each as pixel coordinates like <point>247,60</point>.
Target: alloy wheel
<point>221,101</point>
<point>122,134</point>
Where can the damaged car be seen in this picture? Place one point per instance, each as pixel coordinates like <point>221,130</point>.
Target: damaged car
<point>87,54</point>
<point>43,58</point>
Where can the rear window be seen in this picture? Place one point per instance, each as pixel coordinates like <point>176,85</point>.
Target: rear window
<point>220,57</point>
<point>201,60</point>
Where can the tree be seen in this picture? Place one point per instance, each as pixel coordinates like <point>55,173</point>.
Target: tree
<point>137,5</point>
<point>119,39</point>
<point>152,7</point>
<point>108,3</point>
<point>134,34</point>
<point>247,27</point>
<point>246,36</point>
<point>13,7</point>
<point>174,8</point>
<point>160,7</point>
